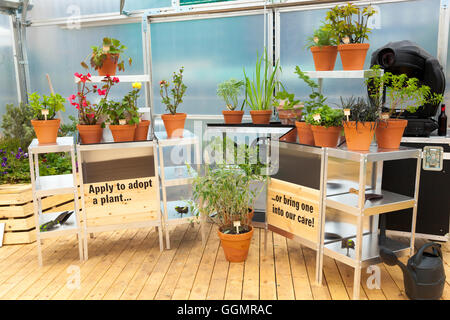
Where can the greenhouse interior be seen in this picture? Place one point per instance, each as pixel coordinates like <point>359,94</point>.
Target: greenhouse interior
<point>224,150</point>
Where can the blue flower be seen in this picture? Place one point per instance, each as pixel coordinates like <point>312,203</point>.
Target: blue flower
<point>18,156</point>
<point>5,159</point>
<point>3,165</point>
<point>20,149</point>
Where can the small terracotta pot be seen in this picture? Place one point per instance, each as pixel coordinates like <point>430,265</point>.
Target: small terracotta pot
<point>109,67</point>
<point>46,130</point>
<point>304,132</point>
<point>326,137</point>
<point>123,132</point>
<point>353,55</point>
<point>261,116</point>
<point>90,133</point>
<point>359,135</point>
<point>291,136</point>
<point>288,117</point>
<point>141,133</point>
<point>389,133</point>
<point>232,116</point>
<point>324,57</point>
<point>235,246</point>
<point>174,124</point>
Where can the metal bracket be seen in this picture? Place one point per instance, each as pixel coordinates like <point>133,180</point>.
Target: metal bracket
<point>433,158</point>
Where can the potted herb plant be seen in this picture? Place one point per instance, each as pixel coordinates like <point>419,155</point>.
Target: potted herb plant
<point>259,91</point>
<point>360,121</point>
<point>350,33</point>
<point>288,108</point>
<point>173,121</point>
<point>326,125</point>
<point>323,48</point>
<point>107,57</point>
<point>229,91</point>
<point>44,112</point>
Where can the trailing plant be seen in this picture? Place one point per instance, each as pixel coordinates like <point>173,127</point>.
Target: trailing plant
<point>52,103</point>
<point>16,124</point>
<point>229,91</point>
<point>348,23</point>
<point>99,54</point>
<point>321,37</point>
<point>289,99</point>
<point>260,90</point>
<point>329,117</point>
<point>360,110</point>
<point>173,100</point>
<point>316,99</point>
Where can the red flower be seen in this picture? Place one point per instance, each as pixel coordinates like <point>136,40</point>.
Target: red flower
<point>78,75</point>
<point>101,92</point>
<point>88,75</point>
<point>116,80</point>
<point>91,115</point>
<point>94,86</point>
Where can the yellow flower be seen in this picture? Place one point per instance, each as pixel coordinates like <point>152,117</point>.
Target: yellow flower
<point>137,85</point>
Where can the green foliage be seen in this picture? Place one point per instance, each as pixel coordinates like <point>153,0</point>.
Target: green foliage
<point>322,36</point>
<point>53,103</point>
<point>289,99</point>
<point>68,129</point>
<point>117,111</point>
<point>16,124</point>
<point>360,110</point>
<point>316,99</point>
<point>177,92</point>
<point>348,24</point>
<point>229,91</point>
<point>259,91</point>
<point>99,54</point>
<point>55,163</point>
<point>329,117</point>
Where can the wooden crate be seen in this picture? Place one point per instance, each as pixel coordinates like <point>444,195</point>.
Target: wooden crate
<point>17,211</point>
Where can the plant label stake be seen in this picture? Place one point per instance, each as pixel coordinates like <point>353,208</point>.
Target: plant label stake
<point>237,224</point>
<point>317,117</point>
<point>347,113</point>
<point>385,116</point>
<point>106,49</point>
<point>45,113</point>
<point>122,121</point>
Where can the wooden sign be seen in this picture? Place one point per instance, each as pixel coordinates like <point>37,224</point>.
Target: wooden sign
<point>121,201</point>
<point>293,210</point>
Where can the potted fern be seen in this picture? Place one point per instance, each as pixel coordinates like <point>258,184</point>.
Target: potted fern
<point>323,48</point>
<point>229,91</point>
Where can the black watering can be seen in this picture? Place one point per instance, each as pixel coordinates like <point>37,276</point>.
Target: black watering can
<point>424,275</point>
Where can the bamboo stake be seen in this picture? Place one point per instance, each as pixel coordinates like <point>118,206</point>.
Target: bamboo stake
<point>53,92</point>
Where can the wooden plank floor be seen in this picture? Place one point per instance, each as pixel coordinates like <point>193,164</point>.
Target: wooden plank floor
<point>128,265</point>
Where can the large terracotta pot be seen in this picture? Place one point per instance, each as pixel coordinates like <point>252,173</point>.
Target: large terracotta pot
<point>235,246</point>
<point>353,55</point>
<point>326,137</point>
<point>174,124</point>
<point>389,133</point>
<point>90,133</point>
<point>324,57</point>
<point>123,132</point>
<point>46,130</point>
<point>288,117</point>
<point>109,67</point>
<point>261,116</point>
<point>304,132</point>
<point>359,135</point>
<point>232,116</point>
<point>141,133</point>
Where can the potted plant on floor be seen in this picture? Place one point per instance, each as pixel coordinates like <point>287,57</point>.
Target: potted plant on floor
<point>323,48</point>
<point>350,33</point>
<point>259,91</point>
<point>326,125</point>
<point>173,121</point>
<point>130,101</point>
<point>44,111</point>
<point>229,91</point>
<point>107,57</point>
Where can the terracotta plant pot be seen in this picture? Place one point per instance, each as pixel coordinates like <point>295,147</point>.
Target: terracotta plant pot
<point>235,246</point>
<point>359,136</point>
<point>123,133</point>
<point>174,124</point>
<point>324,57</point>
<point>141,133</point>
<point>288,117</point>
<point>326,137</point>
<point>232,117</point>
<point>109,67</point>
<point>353,55</point>
<point>261,116</point>
<point>90,133</point>
<point>389,133</point>
<point>46,130</point>
<point>304,132</point>
<point>291,136</point>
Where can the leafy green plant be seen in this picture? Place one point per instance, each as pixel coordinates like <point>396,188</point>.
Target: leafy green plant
<point>173,100</point>
<point>316,99</point>
<point>347,29</point>
<point>52,103</point>
<point>118,112</point>
<point>360,110</point>
<point>16,124</point>
<point>260,90</point>
<point>321,37</point>
<point>288,98</point>
<point>68,129</point>
<point>229,91</point>
<point>329,117</point>
<point>99,54</point>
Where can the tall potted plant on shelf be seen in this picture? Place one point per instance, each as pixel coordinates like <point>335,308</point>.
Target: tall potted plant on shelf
<point>350,33</point>
<point>326,125</point>
<point>260,90</point>
<point>130,101</point>
<point>173,121</point>
<point>44,112</point>
<point>107,57</point>
<point>323,48</point>
<point>229,91</point>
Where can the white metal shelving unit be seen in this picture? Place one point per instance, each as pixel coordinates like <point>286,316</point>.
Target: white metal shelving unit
<point>53,185</point>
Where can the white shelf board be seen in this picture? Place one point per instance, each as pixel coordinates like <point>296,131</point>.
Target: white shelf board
<point>177,176</point>
<point>124,79</point>
<point>340,74</point>
<point>63,144</point>
<point>56,184</point>
<point>187,139</point>
<point>69,227</point>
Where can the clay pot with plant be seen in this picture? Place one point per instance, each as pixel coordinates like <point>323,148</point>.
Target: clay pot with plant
<point>44,112</point>
<point>229,91</point>
<point>323,48</point>
<point>326,125</point>
<point>348,25</point>
<point>173,121</point>
<point>289,109</point>
<point>130,101</point>
<point>107,57</point>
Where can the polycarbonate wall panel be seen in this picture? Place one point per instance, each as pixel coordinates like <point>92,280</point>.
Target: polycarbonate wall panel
<point>146,4</point>
<point>211,51</point>
<point>413,20</point>
<point>64,49</point>
<point>8,89</point>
